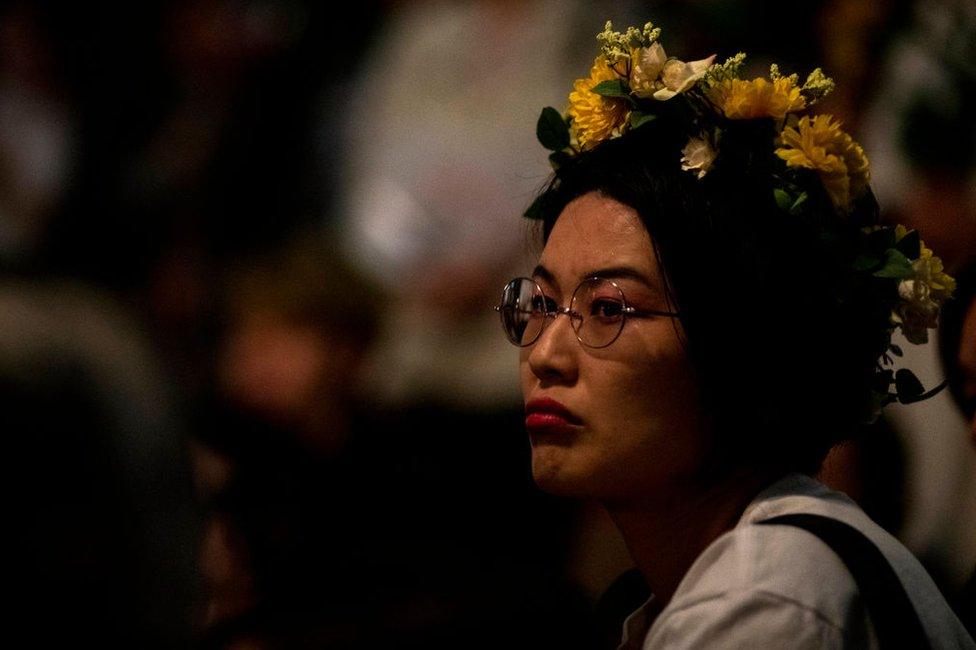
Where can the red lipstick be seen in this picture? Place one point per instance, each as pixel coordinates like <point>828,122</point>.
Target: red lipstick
<point>546,415</point>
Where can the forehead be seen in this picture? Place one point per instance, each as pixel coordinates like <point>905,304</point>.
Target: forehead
<point>593,232</point>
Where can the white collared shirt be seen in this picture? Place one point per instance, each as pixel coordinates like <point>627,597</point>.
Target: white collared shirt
<point>771,587</point>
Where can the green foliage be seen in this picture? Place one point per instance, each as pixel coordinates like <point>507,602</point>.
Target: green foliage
<point>896,265</point>
<point>908,385</point>
<point>559,158</point>
<point>783,199</point>
<point>882,380</point>
<point>552,130</point>
<point>866,262</point>
<point>638,119</point>
<point>787,202</point>
<point>798,204</point>
<point>612,88</point>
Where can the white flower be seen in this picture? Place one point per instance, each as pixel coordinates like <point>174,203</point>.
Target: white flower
<point>678,76</point>
<point>922,297</point>
<point>918,312</point>
<point>646,68</point>
<point>698,156</point>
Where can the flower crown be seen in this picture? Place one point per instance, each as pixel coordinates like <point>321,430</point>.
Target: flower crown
<point>631,82</point>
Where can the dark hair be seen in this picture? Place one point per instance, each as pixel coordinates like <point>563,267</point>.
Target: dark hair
<point>784,342</point>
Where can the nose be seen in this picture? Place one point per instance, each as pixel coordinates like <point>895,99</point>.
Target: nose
<point>553,356</point>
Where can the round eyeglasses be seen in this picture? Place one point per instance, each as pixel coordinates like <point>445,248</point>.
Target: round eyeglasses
<point>597,311</point>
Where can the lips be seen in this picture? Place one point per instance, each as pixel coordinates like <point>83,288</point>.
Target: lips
<point>546,415</point>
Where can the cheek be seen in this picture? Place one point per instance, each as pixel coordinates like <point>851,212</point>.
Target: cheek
<point>643,427</point>
<point>649,416</point>
<point>649,379</point>
<point>670,439</point>
<point>526,377</point>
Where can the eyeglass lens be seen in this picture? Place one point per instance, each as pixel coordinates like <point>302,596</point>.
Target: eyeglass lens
<point>522,311</point>
<point>597,311</point>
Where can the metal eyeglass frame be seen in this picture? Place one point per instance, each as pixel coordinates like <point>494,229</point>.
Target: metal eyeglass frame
<point>577,318</point>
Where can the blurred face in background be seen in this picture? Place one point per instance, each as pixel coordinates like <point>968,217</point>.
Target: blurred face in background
<point>292,373</point>
<point>618,422</point>
<point>274,366</point>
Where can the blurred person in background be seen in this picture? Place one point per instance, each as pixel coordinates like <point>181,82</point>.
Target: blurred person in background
<point>957,345</point>
<point>336,522</point>
<point>103,523</point>
<point>273,449</point>
<point>142,147</point>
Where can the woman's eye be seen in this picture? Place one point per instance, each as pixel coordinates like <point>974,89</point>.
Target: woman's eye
<point>604,308</point>
<point>542,304</point>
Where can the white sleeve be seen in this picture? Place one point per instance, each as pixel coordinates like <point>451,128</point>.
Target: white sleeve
<point>749,619</point>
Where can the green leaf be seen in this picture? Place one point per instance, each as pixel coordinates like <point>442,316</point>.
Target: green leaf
<point>920,397</point>
<point>552,130</point>
<point>534,211</point>
<point>612,88</point>
<point>783,199</point>
<point>639,119</point>
<point>865,262</point>
<point>882,380</point>
<point>800,200</point>
<point>908,385</point>
<point>559,158</point>
<point>896,265</point>
<point>910,245</point>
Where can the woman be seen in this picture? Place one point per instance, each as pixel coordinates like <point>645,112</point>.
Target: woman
<point>730,301</point>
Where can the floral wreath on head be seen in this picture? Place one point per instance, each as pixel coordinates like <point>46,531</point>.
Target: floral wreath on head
<point>632,80</point>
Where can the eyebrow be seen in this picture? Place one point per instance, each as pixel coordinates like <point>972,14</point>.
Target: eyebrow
<point>611,273</point>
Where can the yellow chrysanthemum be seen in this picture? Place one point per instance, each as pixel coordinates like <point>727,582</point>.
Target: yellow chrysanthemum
<point>739,99</point>
<point>818,143</point>
<point>596,118</point>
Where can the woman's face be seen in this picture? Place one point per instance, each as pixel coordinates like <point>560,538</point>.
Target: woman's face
<point>617,422</point>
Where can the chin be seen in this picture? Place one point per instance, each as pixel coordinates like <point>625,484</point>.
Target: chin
<point>556,471</point>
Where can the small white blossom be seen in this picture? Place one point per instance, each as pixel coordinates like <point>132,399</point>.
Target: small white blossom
<point>918,312</point>
<point>678,76</point>
<point>697,156</point>
<point>646,68</point>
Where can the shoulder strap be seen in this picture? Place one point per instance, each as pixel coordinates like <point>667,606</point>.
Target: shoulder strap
<point>895,620</point>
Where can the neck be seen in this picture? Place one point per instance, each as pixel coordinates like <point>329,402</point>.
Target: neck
<point>667,533</point>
